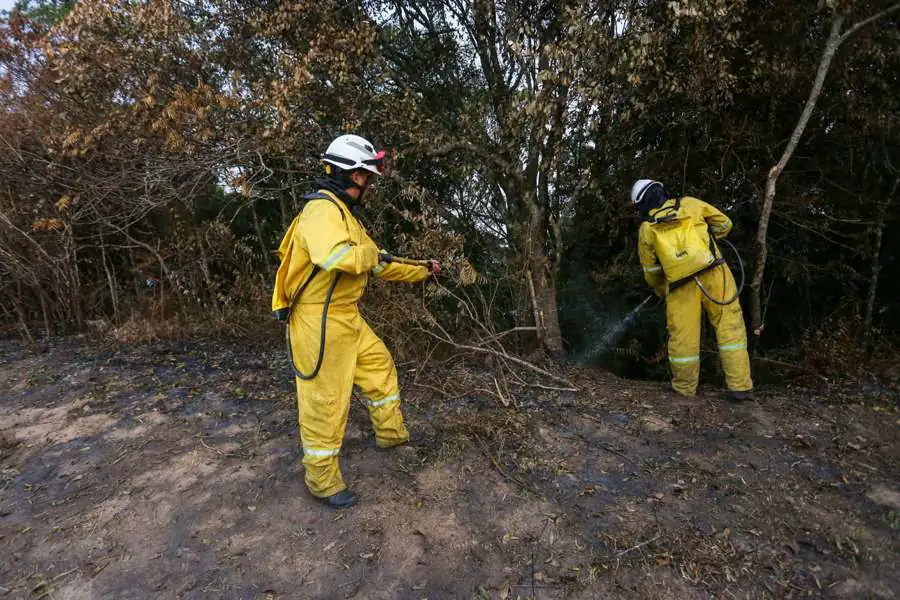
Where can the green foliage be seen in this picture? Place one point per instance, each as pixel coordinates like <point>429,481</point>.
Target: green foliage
<point>42,12</point>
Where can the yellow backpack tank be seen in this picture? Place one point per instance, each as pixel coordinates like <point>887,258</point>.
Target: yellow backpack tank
<point>679,246</point>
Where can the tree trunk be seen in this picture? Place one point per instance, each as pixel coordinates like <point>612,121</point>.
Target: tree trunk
<point>834,39</point>
<point>267,258</point>
<point>876,265</point>
<point>545,300</point>
<point>287,212</point>
<point>110,280</point>
<point>45,314</point>
<point>74,277</point>
<point>542,284</point>
<point>23,324</point>
<point>21,313</point>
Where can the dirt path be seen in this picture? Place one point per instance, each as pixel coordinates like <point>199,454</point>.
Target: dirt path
<point>171,470</point>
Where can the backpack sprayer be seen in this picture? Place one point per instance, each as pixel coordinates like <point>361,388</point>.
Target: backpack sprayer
<point>671,220</point>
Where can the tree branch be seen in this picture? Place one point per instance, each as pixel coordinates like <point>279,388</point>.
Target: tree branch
<point>868,21</point>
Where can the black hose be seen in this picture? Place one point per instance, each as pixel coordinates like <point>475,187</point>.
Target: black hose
<point>740,288</point>
<point>287,329</point>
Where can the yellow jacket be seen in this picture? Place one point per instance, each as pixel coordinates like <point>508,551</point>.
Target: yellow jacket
<point>327,234</point>
<point>704,216</point>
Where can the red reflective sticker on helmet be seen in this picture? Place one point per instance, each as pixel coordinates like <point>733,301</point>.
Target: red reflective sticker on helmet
<point>378,161</point>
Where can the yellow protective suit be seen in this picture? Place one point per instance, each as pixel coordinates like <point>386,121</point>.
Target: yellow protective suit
<point>328,235</point>
<point>684,304</point>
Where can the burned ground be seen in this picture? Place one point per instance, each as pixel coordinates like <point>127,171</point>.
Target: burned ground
<point>171,470</point>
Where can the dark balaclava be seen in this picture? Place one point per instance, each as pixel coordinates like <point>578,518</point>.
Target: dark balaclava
<point>654,197</point>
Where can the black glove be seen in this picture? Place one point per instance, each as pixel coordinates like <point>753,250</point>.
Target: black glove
<point>282,314</point>
<point>385,258</point>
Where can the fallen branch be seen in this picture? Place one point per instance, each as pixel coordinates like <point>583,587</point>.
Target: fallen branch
<point>502,334</point>
<point>551,388</point>
<point>502,355</point>
<point>793,366</point>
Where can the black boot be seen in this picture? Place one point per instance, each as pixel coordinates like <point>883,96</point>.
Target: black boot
<point>735,396</point>
<point>343,499</point>
<point>415,439</point>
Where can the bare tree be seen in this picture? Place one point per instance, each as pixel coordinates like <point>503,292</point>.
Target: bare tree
<point>836,37</point>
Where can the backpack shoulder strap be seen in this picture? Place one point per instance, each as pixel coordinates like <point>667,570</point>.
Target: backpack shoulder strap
<point>665,214</point>
<point>306,198</point>
<point>322,196</point>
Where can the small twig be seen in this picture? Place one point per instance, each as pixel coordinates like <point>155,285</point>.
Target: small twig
<point>533,546</point>
<point>793,366</point>
<point>421,368</point>
<point>633,548</point>
<point>616,452</point>
<point>46,592</point>
<point>550,387</point>
<point>601,445</point>
<point>101,566</point>
<point>502,334</point>
<point>538,587</point>
<point>208,447</point>
<point>61,575</point>
<point>515,480</point>
<point>500,394</point>
<point>749,552</point>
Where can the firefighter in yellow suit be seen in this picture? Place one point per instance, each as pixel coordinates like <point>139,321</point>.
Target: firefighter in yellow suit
<point>678,256</point>
<point>327,241</point>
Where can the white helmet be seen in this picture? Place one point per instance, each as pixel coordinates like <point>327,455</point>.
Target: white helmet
<point>640,188</point>
<point>350,152</point>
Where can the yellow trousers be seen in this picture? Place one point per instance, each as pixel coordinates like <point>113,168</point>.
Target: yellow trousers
<point>354,355</point>
<point>683,315</point>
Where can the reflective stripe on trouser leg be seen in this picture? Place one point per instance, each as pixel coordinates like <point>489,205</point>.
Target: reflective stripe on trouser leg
<point>376,376</point>
<point>323,402</point>
<point>731,333</point>
<point>384,401</point>
<point>683,314</point>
